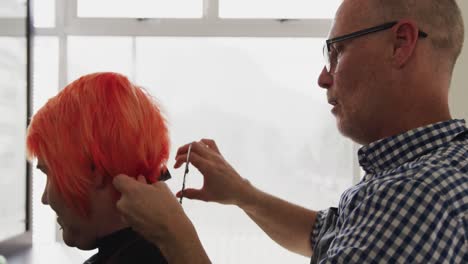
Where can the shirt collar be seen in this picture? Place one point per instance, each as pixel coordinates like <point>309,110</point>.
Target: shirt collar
<point>392,152</point>
<point>111,244</point>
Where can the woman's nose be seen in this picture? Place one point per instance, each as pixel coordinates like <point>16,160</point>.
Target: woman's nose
<point>44,198</point>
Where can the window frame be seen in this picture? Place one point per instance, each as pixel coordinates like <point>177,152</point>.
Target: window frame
<point>209,25</point>
<point>12,27</point>
<point>22,27</point>
<point>67,23</point>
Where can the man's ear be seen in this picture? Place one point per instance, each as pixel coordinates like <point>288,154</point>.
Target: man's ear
<point>406,34</point>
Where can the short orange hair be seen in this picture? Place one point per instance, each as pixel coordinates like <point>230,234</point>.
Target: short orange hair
<point>100,123</point>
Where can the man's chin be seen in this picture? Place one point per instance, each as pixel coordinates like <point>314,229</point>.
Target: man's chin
<point>345,129</point>
<point>342,127</point>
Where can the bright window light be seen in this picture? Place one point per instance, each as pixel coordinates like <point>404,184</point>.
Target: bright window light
<point>98,54</point>
<point>44,13</point>
<point>277,8</point>
<point>12,133</point>
<point>259,99</point>
<point>141,8</point>
<point>12,8</point>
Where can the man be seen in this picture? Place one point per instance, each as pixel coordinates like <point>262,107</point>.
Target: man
<point>97,127</point>
<point>388,71</point>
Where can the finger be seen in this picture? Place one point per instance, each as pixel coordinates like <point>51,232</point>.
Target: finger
<point>141,179</point>
<point>121,207</point>
<point>180,160</point>
<point>160,184</point>
<point>200,163</point>
<point>121,182</point>
<point>202,149</point>
<point>183,149</point>
<point>123,214</point>
<point>192,194</point>
<point>197,147</point>
<point>211,144</point>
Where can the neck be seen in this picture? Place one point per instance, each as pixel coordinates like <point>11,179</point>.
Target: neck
<point>418,113</point>
<point>111,226</point>
<point>419,98</point>
<point>407,124</point>
<point>106,216</point>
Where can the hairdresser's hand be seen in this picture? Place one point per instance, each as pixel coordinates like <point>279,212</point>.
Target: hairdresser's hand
<point>222,183</point>
<point>149,209</point>
<point>154,212</point>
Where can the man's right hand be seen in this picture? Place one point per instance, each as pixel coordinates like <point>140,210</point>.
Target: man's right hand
<point>222,183</point>
<point>287,224</point>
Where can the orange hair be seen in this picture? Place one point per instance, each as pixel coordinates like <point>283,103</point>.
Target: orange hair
<point>100,123</point>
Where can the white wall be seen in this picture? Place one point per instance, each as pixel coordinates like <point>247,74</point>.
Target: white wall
<point>459,90</point>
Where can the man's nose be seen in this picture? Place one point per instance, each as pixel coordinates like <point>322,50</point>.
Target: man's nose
<point>325,79</point>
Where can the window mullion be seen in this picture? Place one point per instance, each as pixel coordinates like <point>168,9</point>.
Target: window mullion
<point>134,60</point>
<point>210,25</point>
<point>63,13</point>
<point>13,27</point>
<point>198,27</point>
<point>211,9</point>
<point>71,11</point>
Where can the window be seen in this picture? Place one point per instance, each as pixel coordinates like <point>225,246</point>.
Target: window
<point>248,102</point>
<point>12,134</point>
<point>97,54</point>
<point>45,83</point>
<point>277,8</point>
<point>44,13</point>
<point>140,8</point>
<point>227,70</point>
<point>13,8</point>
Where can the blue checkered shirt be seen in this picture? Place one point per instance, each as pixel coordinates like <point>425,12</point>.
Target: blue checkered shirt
<point>410,207</point>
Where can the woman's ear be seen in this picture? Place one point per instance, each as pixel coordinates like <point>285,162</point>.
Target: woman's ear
<point>99,179</point>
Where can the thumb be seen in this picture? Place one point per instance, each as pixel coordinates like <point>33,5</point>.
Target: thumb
<point>121,182</point>
<point>192,194</point>
<point>141,179</point>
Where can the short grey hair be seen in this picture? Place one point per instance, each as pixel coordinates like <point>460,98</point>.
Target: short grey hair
<point>441,19</point>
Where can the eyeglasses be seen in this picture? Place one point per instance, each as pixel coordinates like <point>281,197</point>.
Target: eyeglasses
<point>330,53</point>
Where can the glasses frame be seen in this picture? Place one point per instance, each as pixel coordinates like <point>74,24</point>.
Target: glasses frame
<point>356,34</point>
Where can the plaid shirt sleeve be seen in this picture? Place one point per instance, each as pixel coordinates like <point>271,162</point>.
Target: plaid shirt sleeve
<point>464,227</point>
<point>404,221</point>
<point>319,221</point>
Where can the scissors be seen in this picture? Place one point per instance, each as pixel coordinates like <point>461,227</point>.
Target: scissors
<point>185,173</point>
